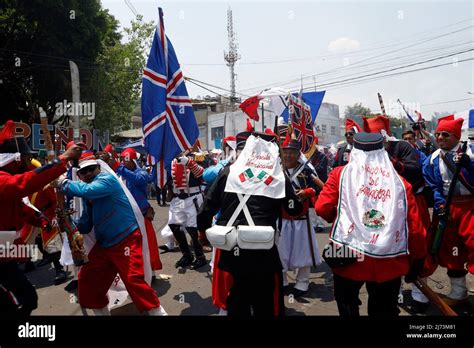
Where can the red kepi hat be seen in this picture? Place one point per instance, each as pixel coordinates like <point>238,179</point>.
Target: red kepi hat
<point>450,125</point>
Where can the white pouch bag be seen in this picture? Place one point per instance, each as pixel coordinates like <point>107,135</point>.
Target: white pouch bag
<point>254,237</point>
<point>225,237</point>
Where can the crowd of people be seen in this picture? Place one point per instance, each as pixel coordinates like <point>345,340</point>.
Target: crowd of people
<point>258,203</point>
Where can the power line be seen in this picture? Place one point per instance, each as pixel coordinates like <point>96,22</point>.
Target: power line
<point>398,73</point>
<point>364,60</point>
<point>393,69</point>
<point>447,102</point>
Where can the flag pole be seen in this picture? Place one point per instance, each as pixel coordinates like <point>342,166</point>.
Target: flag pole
<point>263,118</point>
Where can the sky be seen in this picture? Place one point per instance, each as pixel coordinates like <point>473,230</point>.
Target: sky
<point>286,44</point>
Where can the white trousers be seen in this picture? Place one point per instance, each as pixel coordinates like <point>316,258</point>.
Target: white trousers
<point>302,278</point>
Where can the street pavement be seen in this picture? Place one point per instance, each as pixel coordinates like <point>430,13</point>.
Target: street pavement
<point>188,292</point>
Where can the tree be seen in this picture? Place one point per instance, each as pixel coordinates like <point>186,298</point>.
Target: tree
<point>118,84</point>
<point>356,112</point>
<point>38,38</point>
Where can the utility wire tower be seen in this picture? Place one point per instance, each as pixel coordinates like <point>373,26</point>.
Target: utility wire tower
<point>232,56</point>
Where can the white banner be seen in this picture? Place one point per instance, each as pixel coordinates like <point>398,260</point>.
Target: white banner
<point>257,170</point>
<point>372,209</point>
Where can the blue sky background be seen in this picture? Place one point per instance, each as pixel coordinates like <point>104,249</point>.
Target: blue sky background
<point>302,32</point>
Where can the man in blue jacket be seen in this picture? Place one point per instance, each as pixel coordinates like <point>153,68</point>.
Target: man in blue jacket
<point>118,247</point>
<point>457,247</point>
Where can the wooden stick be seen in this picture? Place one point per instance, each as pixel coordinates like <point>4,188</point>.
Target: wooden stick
<point>434,298</point>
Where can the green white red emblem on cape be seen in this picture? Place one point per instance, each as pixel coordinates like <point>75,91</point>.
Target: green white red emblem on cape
<point>373,219</point>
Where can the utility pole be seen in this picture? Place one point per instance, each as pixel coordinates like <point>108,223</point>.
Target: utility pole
<point>232,56</point>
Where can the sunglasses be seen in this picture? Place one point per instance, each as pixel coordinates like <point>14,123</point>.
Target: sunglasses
<point>349,134</point>
<point>443,134</point>
<point>86,170</point>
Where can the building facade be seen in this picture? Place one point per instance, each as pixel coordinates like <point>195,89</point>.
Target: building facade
<point>328,124</point>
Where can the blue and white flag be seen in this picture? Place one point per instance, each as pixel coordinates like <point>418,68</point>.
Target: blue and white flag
<point>169,124</point>
<point>278,101</point>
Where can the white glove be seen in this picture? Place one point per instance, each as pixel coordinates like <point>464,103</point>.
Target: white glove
<point>183,160</point>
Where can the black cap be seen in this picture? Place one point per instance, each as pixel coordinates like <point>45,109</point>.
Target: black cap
<point>242,137</point>
<point>368,141</point>
<point>292,144</point>
<point>16,144</point>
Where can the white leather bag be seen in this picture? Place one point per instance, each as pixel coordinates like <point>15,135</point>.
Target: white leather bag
<point>225,237</point>
<point>254,237</point>
<point>222,237</point>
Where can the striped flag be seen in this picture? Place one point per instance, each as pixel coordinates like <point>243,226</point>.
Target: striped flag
<point>169,124</point>
<point>265,177</point>
<point>246,175</point>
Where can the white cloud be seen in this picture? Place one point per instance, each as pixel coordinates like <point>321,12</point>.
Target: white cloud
<point>343,45</point>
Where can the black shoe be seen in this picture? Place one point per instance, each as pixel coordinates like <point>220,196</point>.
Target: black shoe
<point>72,286</point>
<point>419,307</point>
<point>298,293</point>
<point>60,278</point>
<point>164,248</point>
<point>44,261</point>
<point>319,229</point>
<point>198,263</point>
<point>184,261</point>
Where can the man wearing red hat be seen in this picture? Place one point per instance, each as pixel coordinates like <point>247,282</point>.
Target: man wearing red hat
<point>457,247</point>
<point>342,155</point>
<point>111,211</point>
<point>137,180</point>
<point>17,295</point>
<point>187,198</point>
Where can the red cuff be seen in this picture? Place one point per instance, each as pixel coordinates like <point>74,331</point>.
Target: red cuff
<point>310,192</point>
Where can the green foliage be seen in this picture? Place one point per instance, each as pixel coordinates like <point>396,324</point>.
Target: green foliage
<point>356,112</point>
<point>118,84</point>
<point>37,40</point>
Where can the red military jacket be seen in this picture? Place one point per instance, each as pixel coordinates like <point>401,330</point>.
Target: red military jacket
<point>14,213</point>
<point>375,269</point>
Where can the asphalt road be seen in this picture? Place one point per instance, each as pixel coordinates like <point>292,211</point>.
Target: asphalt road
<point>188,292</point>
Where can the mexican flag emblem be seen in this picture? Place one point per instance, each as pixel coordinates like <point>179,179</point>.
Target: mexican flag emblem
<point>246,175</point>
<point>373,219</point>
<point>267,179</point>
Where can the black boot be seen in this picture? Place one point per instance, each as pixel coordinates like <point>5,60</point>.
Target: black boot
<point>180,237</point>
<point>193,232</point>
<point>61,276</point>
<point>185,261</point>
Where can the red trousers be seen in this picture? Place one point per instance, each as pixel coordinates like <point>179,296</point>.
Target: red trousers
<point>153,246</point>
<point>221,283</point>
<point>457,246</point>
<point>126,259</point>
